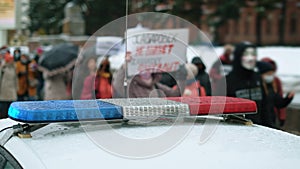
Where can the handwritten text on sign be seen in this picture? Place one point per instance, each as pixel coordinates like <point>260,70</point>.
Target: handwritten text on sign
<point>157,50</point>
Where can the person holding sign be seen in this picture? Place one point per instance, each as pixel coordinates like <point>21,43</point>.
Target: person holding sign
<point>146,83</point>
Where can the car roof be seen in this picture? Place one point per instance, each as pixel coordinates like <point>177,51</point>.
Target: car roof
<point>230,146</point>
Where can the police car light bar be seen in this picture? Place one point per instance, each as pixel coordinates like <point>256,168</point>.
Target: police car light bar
<point>133,108</point>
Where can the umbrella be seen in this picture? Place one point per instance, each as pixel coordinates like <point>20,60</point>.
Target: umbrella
<point>59,59</point>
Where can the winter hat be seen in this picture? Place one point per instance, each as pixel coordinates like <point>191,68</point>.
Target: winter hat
<point>269,60</point>
<point>196,60</point>
<point>192,71</point>
<point>264,67</point>
<point>39,50</point>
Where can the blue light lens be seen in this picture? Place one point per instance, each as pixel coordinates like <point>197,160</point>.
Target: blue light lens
<point>63,110</point>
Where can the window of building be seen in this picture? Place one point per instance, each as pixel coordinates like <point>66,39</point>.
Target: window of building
<point>226,28</point>
<point>236,27</point>
<point>293,24</point>
<point>248,23</point>
<point>269,24</point>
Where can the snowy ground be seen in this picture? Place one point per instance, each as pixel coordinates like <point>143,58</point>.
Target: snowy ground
<point>287,59</point>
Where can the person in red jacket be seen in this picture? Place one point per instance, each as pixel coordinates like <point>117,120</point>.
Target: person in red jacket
<point>103,80</point>
<point>88,90</point>
<point>281,113</point>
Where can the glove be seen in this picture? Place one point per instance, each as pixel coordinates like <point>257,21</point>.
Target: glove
<point>181,73</point>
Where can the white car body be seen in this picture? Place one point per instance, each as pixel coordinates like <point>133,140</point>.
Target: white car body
<point>231,146</point>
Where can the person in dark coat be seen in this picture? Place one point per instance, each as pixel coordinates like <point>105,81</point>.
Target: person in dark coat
<point>17,54</point>
<point>40,87</point>
<point>272,99</point>
<point>202,76</point>
<point>280,112</point>
<point>243,81</point>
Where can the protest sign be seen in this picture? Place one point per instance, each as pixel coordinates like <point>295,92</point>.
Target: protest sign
<point>157,50</point>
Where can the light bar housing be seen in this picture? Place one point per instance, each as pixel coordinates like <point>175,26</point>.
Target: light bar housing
<point>130,108</point>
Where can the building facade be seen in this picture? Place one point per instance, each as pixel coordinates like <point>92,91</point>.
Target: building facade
<point>279,25</point>
<point>271,26</point>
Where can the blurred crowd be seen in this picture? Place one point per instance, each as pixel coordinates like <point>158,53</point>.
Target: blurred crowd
<point>237,67</point>
<point>20,79</point>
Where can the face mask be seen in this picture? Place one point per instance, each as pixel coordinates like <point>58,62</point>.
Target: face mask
<point>268,78</point>
<point>17,55</point>
<point>249,59</point>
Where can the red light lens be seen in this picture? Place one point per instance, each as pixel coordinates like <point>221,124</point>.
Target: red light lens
<point>217,105</point>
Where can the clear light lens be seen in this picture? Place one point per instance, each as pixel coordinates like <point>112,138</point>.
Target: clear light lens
<point>149,107</point>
